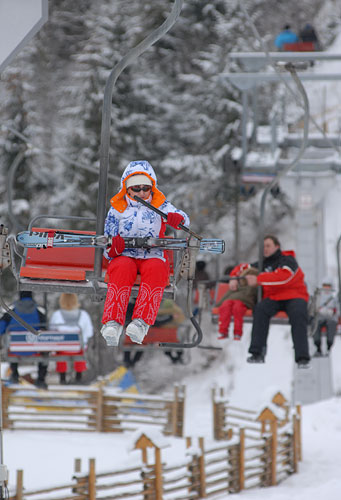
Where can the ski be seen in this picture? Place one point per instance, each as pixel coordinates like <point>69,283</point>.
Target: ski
<point>56,239</point>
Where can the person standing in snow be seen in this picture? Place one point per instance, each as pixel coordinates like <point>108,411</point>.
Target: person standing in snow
<point>128,217</point>
<point>284,289</point>
<point>326,309</point>
<point>71,316</point>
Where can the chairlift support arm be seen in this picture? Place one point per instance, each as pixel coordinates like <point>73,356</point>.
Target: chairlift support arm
<point>131,56</point>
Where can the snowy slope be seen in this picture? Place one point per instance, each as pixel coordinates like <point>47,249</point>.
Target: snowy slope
<point>248,386</point>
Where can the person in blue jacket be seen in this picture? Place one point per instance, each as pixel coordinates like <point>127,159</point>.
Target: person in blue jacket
<point>285,36</point>
<point>27,309</point>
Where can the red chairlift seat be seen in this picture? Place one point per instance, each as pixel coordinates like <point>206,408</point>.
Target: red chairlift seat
<point>154,337</point>
<point>65,269</point>
<point>299,47</point>
<point>281,318</point>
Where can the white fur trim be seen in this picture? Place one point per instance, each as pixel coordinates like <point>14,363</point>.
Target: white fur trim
<point>137,180</point>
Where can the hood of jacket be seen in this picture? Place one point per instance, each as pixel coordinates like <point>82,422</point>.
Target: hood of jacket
<point>119,201</point>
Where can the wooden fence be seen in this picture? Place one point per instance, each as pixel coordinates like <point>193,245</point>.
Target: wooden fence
<point>276,424</point>
<point>261,452</point>
<point>92,409</point>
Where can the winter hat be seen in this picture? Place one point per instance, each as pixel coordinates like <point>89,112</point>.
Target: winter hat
<point>134,168</point>
<point>136,180</point>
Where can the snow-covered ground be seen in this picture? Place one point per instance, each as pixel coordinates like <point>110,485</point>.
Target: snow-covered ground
<point>47,458</point>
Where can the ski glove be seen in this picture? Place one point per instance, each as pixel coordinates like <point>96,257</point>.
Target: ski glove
<point>117,246</point>
<point>174,219</point>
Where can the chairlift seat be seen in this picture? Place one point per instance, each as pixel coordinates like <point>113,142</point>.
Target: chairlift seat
<point>154,336</point>
<point>299,47</point>
<point>64,269</point>
<point>59,263</point>
<point>21,346</point>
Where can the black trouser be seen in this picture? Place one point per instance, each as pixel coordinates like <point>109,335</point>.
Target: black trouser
<point>42,370</point>
<point>296,310</point>
<point>330,325</point>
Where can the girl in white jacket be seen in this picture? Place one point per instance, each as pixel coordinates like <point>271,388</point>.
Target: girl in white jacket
<point>128,217</point>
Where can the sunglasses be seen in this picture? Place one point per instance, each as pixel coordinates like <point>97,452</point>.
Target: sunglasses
<point>137,189</point>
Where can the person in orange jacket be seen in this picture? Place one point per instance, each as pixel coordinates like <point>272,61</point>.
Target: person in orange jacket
<point>284,289</point>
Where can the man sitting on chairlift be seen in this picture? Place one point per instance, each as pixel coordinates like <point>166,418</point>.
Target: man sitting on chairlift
<point>284,289</point>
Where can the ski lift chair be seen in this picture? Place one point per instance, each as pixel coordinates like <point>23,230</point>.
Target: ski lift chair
<point>81,270</point>
<point>153,339</point>
<point>69,270</point>
<point>299,47</point>
<point>25,348</point>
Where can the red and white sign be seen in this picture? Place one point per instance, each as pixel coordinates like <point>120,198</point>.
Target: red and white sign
<point>20,20</point>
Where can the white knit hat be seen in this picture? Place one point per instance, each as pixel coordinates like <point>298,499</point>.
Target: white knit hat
<point>137,180</point>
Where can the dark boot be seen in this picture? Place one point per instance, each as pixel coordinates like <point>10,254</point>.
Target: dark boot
<point>78,379</point>
<point>14,378</point>
<point>62,378</point>
<point>41,384</point>
<point>256,358</point>
<point>42,372</point>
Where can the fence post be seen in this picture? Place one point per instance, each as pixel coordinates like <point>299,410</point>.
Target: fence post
<point>299,434</point>
<point>175,410</point>
<point>273,452</point>
<point>158,475</point>
<point>180,412</point>
<point>99,409</point>
<point>77,465</point>
<point>20,485</point>
<point>218,417</point>
<point>214,407</point>
<point>6,392</point>
<point>266,459</point>
<point>92,479</point>
<point>147,476</point>
<point>241,459</point>
<point>202,474</point>
<point>295,444</point>
<point>233,461</point>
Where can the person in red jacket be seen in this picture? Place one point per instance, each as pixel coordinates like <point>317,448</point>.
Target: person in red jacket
<point>284,289</point>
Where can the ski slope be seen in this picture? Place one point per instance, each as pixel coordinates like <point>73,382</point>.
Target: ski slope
<point>47,458</point>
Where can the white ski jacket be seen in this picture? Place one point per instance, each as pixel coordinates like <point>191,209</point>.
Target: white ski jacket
<point>76,318</point>
<point>129,217</point>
